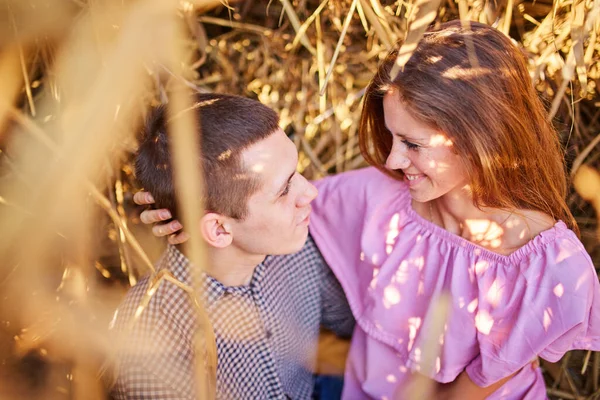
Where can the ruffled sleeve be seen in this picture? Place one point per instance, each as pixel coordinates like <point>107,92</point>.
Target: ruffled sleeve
<point>340,212</point>
<point>544,306</point>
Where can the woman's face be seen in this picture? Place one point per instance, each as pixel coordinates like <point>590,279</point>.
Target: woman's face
<point>425,155</point>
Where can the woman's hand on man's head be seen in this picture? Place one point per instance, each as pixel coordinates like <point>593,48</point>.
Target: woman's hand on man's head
<point>171,229</point>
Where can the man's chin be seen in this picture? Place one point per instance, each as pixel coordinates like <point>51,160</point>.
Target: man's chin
<point>292,246</point>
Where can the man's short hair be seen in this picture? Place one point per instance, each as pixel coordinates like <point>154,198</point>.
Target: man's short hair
<point>228,125</point>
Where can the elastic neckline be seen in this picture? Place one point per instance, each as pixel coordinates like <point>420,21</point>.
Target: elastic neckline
<point>540,239</point>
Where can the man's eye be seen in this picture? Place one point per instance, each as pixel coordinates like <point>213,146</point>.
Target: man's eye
<point>410,145</point>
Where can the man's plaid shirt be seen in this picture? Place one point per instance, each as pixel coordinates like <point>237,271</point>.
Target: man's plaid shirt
<point>266,332</point>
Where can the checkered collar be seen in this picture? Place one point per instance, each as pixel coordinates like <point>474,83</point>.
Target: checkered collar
<point>179,265</point>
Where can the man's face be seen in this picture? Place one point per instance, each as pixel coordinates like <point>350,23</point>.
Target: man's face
<point>279,211</point>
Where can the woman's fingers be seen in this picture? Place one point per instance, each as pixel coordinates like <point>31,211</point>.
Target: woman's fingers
<point>143,198</point>
<point>178,238</point>
<point>166,229</point>
<point>152,216</point>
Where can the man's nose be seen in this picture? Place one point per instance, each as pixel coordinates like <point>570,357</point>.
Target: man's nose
<point>309,194</point>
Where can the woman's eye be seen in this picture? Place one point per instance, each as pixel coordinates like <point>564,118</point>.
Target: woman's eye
<point>286,190</point>
<point>410,145</point>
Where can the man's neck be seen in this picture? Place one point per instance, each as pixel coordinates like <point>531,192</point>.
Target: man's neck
<point>230,266</point>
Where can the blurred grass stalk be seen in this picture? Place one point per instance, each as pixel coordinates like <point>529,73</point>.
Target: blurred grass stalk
<point>103,71</point>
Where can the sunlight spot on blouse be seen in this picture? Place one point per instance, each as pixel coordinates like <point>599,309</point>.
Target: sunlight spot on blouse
<point>391,378</point>
<point>403,369</point>
<point>420,262</point>
<point>414,324</point>
<point>472,306</point>
<point>375,259</point>
<point>494,293</point>
<point>374,280</point>
<point>481,267</point>
<point>391,296</point>
<point>559,290</point>
<point>461,302</point>
<point>484,322</point>
<point>547,318</point>
<point>582,279</point>
<point>402,272</point>
<point>362,256</point>
<point>438,365</point>
<point>417,354</point>
<point>392,233</point>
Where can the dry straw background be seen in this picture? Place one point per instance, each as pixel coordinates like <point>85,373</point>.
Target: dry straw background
<point>77,76</point>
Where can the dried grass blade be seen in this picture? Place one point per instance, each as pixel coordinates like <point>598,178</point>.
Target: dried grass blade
<point>382,33</point>
<point>339,44</point>
<point>424,14</point>
<point>508,17</point>
<point>363,18</point>
<point>301,33</point>
<point>584,153</point>
<point>23,63</point>
<point>289,10</point>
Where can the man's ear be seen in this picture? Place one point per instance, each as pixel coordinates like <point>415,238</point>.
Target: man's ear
<point>216,230</point>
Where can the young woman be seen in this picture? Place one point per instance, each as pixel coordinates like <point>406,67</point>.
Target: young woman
<point>467,203</point>
<point>467,200</point>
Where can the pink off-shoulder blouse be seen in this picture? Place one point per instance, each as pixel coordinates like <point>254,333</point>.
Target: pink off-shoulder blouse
<point>542,300</point>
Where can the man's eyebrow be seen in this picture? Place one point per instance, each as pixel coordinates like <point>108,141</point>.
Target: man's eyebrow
<point>286,183</point>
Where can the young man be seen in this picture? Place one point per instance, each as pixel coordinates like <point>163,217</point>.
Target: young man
<point>264,310</point>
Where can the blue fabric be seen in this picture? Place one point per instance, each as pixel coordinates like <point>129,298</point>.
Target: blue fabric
<point>328,387</point>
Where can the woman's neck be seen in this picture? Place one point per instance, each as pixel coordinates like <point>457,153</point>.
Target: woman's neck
<point>498,230</point>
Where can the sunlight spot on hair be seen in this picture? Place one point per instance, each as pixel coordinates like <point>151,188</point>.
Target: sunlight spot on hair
<point>472,306</point>
<point>461,302</point>
<point>391,296</point>
<point>391,378</point>
<point>494,293</point>
<point>224,155</point>
<point>392,233</point>
<point>258,168</point>
<point>440,140</point>
<point>241,177</point>
<point>458,72</point>
<point>559,290</point>
<point>414,324</point>
<point>481,266</point>
<point>547,318</point>
<point>434,59</point>
<point>484,322</point>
